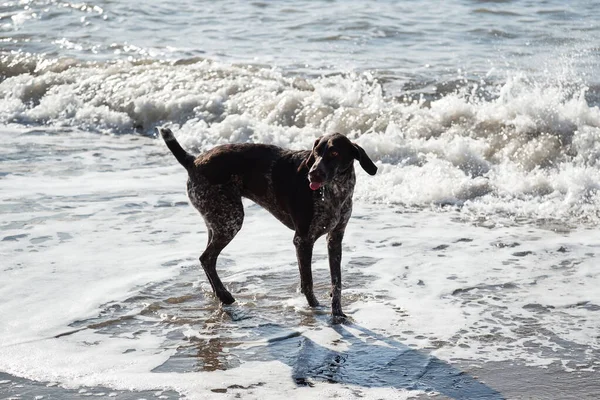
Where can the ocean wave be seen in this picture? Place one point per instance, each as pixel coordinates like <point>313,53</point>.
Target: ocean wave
<point>520,147</point>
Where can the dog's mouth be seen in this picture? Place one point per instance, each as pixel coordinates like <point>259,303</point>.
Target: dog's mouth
<point>315,185</point>
<point>316,182</point>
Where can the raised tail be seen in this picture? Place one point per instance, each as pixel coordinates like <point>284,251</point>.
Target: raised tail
<point>184,158</point>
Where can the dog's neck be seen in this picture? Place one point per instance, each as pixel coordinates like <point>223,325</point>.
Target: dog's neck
<point>342,186</point>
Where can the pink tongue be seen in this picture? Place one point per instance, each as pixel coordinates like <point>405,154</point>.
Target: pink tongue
<point>315,185</point>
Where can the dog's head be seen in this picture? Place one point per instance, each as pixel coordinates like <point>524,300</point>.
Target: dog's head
<point>331,155</point>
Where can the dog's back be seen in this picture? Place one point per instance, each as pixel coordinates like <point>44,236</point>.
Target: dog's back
<point>245,160</point>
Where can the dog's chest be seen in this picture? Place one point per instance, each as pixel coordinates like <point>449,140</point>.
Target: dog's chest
<point>330,207</point>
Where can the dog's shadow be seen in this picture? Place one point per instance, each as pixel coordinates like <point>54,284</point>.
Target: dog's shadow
<point>364,358</point>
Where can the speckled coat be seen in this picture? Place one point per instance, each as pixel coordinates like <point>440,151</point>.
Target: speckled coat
<point>278,180</point>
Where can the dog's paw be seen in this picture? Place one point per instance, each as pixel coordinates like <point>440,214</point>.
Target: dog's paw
<point>338,318</point>
<point>312,300</point>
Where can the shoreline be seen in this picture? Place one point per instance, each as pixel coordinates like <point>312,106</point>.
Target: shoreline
<point>512,381</point>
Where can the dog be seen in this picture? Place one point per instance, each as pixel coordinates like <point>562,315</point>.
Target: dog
<point>309,191</point>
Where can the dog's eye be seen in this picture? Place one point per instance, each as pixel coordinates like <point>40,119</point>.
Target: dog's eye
<point>333,153</point>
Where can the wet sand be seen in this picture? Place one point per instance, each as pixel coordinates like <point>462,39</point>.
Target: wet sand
<point>12,387</point>
<point>509,381</point>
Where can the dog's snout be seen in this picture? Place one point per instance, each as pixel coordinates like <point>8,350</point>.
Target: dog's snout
<point>316,174</point>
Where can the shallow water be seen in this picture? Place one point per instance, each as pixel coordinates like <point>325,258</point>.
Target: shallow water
<point>470,261</point>
<point>429,294</point>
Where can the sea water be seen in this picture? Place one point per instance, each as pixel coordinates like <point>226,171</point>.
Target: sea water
<point>471,254</point>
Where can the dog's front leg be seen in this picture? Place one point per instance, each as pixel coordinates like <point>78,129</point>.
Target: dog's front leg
<point>334,248</point>
<point>304,250</point>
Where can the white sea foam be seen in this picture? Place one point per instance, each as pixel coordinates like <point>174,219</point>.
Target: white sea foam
<point>102,235</point>
<point>530,150</point>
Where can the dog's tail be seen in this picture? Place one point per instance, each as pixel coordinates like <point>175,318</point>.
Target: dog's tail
<point>184,158</point>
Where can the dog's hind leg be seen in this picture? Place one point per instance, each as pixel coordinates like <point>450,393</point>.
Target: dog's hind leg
<point>223,213</point>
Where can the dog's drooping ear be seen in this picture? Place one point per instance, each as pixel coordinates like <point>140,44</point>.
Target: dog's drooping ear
<point>310,160</point>
<point>364,160</point>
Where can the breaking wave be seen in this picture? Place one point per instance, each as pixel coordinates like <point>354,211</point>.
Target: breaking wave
<point>521,147</point>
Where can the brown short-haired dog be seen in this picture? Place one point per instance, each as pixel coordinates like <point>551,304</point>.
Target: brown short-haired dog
<point>310,192</point>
